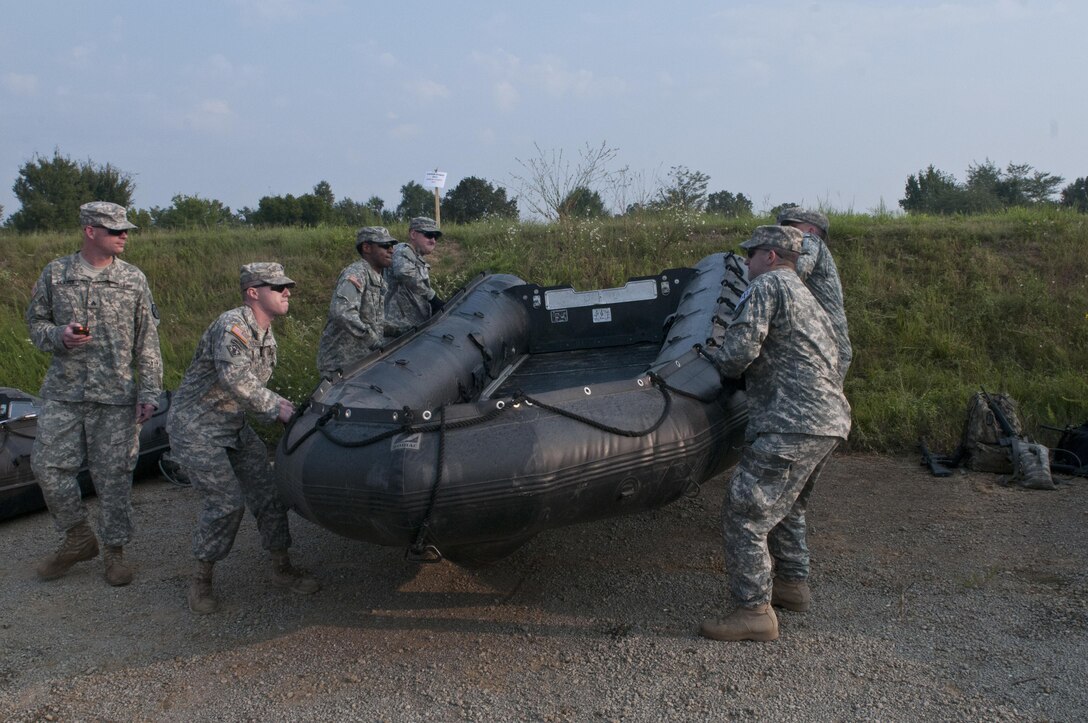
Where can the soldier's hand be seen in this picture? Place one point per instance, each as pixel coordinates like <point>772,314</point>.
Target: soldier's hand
<point>287,410</point>
<point>144,412</point>
<point>74,335</point>
<point>436,304</point>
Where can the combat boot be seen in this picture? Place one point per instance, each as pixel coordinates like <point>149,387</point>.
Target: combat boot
<point>758,623</point>
<point>200,597</point>
<point>79,544</point>
<point>791,594</point>
<point>117,572</point>
<point>289,577</point>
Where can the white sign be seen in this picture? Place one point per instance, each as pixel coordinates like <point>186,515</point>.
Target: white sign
<point>435,179</point>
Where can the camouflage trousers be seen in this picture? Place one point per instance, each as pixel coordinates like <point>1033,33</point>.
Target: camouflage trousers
<point>764,512</point>
<point>107,437</point>
<point>228,479</point>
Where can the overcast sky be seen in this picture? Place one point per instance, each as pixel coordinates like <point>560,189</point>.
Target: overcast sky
<point>828,103</point>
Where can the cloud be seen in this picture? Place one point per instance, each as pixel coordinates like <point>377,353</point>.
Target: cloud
<point>406,131</point>
<point>428,90</point>
<point>547,76</point>
<point>506,95</point>
<point>20,84</point>
<point>211,115</point>
<point>387,60</point>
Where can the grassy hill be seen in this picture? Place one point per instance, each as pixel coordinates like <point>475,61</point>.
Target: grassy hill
<point>936,305</point>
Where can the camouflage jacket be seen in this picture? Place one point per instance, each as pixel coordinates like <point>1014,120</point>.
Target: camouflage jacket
<point>782,342</point>
<point>408,300</point>
<point>121,364</point>
<point>817,269</point>
<point>227,377</point>
<point>356,320</point>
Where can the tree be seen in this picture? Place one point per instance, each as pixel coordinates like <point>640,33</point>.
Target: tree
<point>549,179</point>
<point>726,204</point>
<point>51,190</point>
<point>686,190</point>
<point>309,209</point>
<point>931,191</point>
<point>474,199</point>
<point>583,203</point>
<point>1075,195</point>
<point>415,200</point>
<point>191,212</point>
<point>352,213</point>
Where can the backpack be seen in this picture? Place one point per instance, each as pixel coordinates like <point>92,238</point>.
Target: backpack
<point>1071,453</point>
<point>982,434</point>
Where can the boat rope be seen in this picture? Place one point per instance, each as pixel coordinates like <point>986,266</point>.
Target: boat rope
<point>419,550</point>
<point>661,386</point>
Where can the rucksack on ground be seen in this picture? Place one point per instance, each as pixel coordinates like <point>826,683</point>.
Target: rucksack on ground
<point>982,434</point>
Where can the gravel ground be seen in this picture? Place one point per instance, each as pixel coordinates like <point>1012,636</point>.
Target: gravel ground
<point>935,599</point>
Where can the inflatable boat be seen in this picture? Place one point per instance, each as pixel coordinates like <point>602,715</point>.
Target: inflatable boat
<point>19,491</point>
<point>520,408</point>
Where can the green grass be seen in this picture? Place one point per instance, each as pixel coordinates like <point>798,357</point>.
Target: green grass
<point>936,305</point>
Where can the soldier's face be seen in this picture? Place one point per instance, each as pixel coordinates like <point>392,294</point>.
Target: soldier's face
<point>106,241</point>
<point>378,256</point>
<point>424,243</point>
<point>274,300</point>
<point>760,261</point>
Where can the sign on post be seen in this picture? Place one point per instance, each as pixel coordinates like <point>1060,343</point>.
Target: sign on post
<point>435,179</point>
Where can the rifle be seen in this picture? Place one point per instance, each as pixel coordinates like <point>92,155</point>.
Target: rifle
<point>1038,476</point>
<point>934,463</point>
<point>1002,420</point>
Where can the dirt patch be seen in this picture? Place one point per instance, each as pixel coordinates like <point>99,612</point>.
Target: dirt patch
<point>934,598</point>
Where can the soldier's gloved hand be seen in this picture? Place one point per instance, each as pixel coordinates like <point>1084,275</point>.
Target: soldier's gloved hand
<point>287,410</point>
<point>436,304</point>
<point>144,412</point>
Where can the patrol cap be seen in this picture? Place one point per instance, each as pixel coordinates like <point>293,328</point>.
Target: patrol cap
<point>377,235</point>
<point>784,238</point>
<point>796,214</point>
<point>104,214</point>
<point>424,225</point>
<point>263,273</point>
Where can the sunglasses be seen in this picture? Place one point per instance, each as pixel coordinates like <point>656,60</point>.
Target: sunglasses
<point>114,231</point>
<point>278,288</point>
<point>752,251</point>
<point>431,234</point>
<point>382,245</point>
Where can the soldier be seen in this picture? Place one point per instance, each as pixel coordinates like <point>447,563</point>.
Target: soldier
<point>215,446</point>
<point>356,322</point>
<point>817,269</point>
<point>410,300</point>
<point>95,315</point>
<point>782,341</point>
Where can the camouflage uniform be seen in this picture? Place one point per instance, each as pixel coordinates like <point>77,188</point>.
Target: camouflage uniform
<point>408,301</point>
<point>781,340</point>
<point>356,320</point>
<point>90,392</point>
<point>817,269</point>
<point>211,440</point>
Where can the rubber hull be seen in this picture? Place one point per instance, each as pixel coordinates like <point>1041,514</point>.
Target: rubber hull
<point>19,490</point>
<point>511,413</point>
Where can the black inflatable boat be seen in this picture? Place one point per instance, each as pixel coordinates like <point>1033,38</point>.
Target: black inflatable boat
<point>521,408</point>
<point>19,491</point>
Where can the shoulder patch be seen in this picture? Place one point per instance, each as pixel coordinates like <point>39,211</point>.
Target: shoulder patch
<point>234,348</point>
<point>239,332</point>
<point>356,282</point>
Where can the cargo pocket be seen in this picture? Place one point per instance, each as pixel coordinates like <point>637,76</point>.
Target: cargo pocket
<point>759,482</point>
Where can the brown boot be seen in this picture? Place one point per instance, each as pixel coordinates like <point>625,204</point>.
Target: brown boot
<point>200,597</point>
<point>289,577</point>
<point>79,544</point>
<point>117,572</point>
<point>758,623</point>
<point>791,594</point>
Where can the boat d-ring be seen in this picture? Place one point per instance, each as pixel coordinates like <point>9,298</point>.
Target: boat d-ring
<point>587,391</point>
<point>500,404</point>
<point>426,415</point>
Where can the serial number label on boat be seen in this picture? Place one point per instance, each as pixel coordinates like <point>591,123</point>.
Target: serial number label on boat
<point>601,316</point>
<point>559,316</point>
